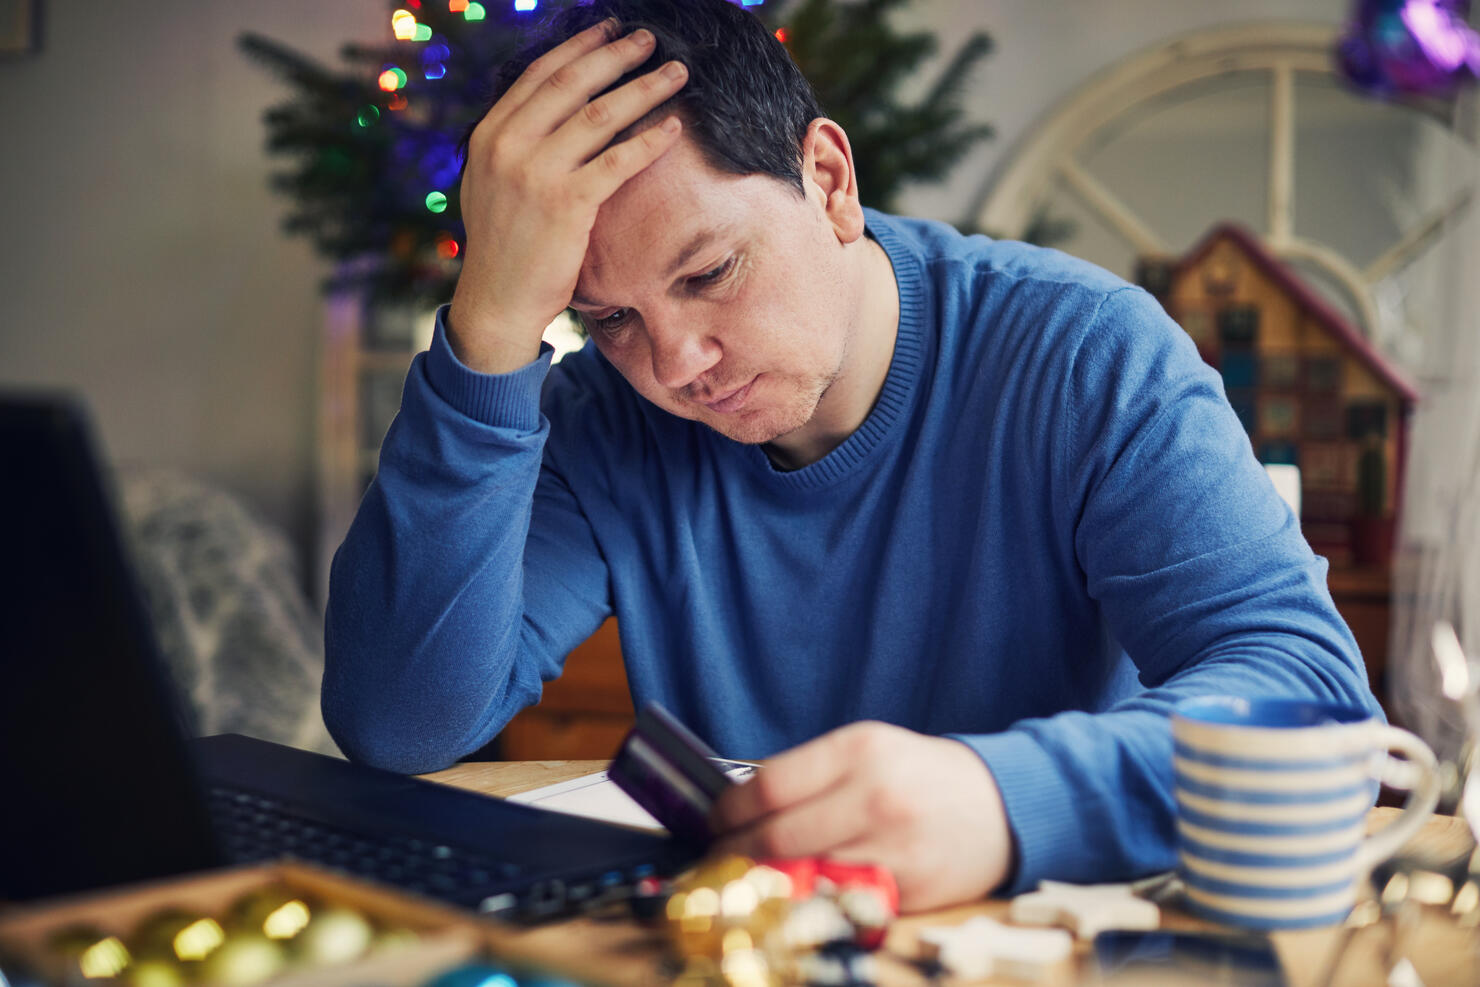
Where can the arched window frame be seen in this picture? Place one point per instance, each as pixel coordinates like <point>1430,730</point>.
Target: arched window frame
<point>1050,153</point>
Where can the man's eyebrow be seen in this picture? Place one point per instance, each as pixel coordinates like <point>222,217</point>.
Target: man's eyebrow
<point>697,243</point>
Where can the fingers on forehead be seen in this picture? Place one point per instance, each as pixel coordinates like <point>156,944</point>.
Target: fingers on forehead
<point>597,34</point>
<point>573,47</point>
<point>592,38</point>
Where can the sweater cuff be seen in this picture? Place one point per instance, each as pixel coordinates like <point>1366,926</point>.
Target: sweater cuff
<point>510,400</point>
<point>1042,811</point>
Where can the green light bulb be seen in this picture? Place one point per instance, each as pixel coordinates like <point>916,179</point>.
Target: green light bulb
<point>436,201</point>
<point>475,12</point>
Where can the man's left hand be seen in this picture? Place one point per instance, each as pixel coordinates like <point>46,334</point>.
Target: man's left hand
<point>925,807</point>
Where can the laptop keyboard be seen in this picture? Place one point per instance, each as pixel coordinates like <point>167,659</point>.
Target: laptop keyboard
<point>254,828</point>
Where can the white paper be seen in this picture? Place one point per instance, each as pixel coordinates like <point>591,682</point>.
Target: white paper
<point>597,797</point>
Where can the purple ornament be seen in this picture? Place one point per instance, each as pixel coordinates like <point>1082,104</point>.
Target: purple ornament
<point>1409,47</point>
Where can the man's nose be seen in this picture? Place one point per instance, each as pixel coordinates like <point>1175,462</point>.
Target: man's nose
<point>681,351</point>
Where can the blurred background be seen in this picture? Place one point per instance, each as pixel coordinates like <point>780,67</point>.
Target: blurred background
<point>1313,234</point>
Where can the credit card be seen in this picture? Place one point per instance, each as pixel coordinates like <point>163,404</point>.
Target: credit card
<point>671,773</point>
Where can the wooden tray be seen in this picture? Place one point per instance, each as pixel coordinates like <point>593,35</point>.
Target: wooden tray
<point>446,937</point>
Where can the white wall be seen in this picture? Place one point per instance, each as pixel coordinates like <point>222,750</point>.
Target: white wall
<point>141,261</point>
<point>1047,48</point>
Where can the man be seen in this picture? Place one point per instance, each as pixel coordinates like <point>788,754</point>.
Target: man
<point>941,526</point>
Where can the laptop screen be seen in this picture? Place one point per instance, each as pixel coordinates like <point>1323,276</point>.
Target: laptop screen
<point>95,776</point>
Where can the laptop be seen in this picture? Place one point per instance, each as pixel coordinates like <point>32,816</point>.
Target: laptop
<point>101,783</point>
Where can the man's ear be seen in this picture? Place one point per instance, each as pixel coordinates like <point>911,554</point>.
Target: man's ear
<point>829,175</point>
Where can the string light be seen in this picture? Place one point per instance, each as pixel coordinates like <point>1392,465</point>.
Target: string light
<point>440,162</point>
<point>436,70</point>
<point>456,6</point>
<point>436,202</point>
<point>475,12</point>
<point>447,247</point>
<point>198,939</point>
<point>423,33</point>
<point>368,116</point>
<point>392,79</point>
<point>781,35</point>
<point>526,5</point>
<point>403,25</point>
<point>105,958</point>
<point>287,920</point>
<point>397,102</point>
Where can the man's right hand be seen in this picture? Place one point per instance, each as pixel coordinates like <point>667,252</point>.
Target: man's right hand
<point>538,170</point>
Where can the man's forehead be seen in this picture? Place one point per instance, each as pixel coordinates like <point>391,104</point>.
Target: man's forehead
<point>640,258</point>
<point>660,219</point>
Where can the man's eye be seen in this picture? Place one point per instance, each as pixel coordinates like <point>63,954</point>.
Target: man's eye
<point>613,322</point>
<point>709,277</point>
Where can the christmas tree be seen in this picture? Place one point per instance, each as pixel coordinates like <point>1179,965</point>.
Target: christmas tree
<point>373,144</point>
<point>856,63</point>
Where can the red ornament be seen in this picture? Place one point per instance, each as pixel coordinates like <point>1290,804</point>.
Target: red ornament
<point>867,893</point>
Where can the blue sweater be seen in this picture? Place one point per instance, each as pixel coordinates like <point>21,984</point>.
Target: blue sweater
<point>1050,527</point>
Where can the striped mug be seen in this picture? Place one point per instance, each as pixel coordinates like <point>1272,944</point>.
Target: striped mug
<point>1272,801</point>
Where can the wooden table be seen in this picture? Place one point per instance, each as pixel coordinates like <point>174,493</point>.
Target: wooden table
<point>627,953</point>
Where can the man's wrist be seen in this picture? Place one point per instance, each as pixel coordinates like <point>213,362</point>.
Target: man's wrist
<point>502,400</point>
<point>488,342</point>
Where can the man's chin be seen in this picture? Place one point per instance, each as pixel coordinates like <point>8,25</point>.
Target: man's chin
<point>769,417</point>
<point>754,433</point>
<point>756,429</point>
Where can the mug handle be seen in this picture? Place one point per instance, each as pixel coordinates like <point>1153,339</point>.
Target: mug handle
<point>1419,776</point>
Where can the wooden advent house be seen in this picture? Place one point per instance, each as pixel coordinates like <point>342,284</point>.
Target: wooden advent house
<point>1311,391</point>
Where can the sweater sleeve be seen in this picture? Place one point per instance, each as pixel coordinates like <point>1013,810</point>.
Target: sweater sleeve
<point>1201,574</point>
<point>468,574</point>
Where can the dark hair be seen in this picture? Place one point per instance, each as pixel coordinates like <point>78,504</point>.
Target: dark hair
<point>746,105</point>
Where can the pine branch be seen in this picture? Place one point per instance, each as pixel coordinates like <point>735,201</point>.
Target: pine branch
<point>294,67</point>
<point>856,63</point>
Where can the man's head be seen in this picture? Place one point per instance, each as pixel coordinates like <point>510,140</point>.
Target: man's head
<point>730,281</point>
<point>745,105</point>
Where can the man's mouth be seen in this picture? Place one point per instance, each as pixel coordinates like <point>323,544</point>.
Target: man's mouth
<point>729,402</point>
